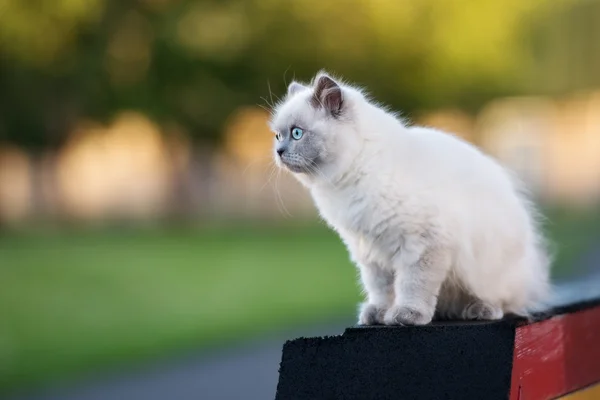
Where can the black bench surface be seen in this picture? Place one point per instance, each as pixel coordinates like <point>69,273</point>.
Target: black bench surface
<point>443,360</point>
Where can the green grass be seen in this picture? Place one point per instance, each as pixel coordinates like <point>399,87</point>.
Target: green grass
<point>571,233</point>
<point>75,301</point>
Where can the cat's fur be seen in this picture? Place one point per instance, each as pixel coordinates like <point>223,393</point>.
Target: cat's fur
<point>432,223</point>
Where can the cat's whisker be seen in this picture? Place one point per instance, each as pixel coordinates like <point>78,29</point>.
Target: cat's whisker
<point>270,105</point>
<point>313,167</point>
<point>270,92</point>
<point>283,209</point>
<point>271,95</point>
<point>254,162</point>
<point>266,108</point>
<point>279,200</point>
<point>325,177</point>
<point>273,170</point>
<point>285,72</point>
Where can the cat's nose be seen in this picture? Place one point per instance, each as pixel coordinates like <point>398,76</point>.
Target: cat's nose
<point>280,151</point>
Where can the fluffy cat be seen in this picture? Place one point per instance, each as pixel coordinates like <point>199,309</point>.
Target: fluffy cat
<point>435,226</point>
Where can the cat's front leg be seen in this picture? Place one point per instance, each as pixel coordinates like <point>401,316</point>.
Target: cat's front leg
<point>419,273</point>
<point>379,287</point>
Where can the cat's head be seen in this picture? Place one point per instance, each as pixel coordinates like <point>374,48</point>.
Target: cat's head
<point>313,125</point>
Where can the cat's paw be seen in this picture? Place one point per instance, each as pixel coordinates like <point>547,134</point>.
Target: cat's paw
<point>483,311</point>
<point>400,315</point>
<point>370,314</point>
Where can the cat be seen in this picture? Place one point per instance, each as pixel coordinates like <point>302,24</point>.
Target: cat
<point>436,227</point>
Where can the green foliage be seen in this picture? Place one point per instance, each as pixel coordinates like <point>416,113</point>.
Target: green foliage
<point>191,63</point>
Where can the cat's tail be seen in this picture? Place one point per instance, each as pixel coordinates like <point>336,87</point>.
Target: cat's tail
<point>540,299</point>
<point>537,260</point>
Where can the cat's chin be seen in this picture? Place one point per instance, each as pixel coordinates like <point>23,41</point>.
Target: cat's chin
<point>296,169</point>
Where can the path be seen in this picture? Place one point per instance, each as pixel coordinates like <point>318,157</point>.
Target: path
<point>246,372</point>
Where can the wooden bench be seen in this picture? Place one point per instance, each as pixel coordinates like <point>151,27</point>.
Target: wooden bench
<point>558,354</point>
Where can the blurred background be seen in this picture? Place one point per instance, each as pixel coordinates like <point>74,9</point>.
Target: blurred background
<point>142,221</point>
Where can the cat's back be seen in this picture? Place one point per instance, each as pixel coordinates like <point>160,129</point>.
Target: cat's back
<point>446,158</point>
<point>445,147</point>
<point>449,174</point>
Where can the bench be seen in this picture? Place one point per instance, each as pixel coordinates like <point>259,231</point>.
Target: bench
<point>555,355</point>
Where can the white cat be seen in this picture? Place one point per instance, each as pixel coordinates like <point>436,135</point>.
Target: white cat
<point>432,223</point>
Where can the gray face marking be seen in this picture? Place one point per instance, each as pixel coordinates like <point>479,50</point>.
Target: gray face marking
<point>301,155</point>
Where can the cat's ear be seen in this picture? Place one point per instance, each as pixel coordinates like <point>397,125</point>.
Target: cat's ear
<point>328,94</point>
<point>294,88</point>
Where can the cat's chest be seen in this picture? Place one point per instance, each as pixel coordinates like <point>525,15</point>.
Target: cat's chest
<point>368,227</point>
<point>349,210</point>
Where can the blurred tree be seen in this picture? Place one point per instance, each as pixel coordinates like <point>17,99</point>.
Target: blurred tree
<point>189,64</point>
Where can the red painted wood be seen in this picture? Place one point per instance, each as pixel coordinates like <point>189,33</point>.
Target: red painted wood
<point>556,356</point>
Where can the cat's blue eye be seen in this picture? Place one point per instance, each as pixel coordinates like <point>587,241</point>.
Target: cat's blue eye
<point>278,136</point>
<point>297,133</point>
